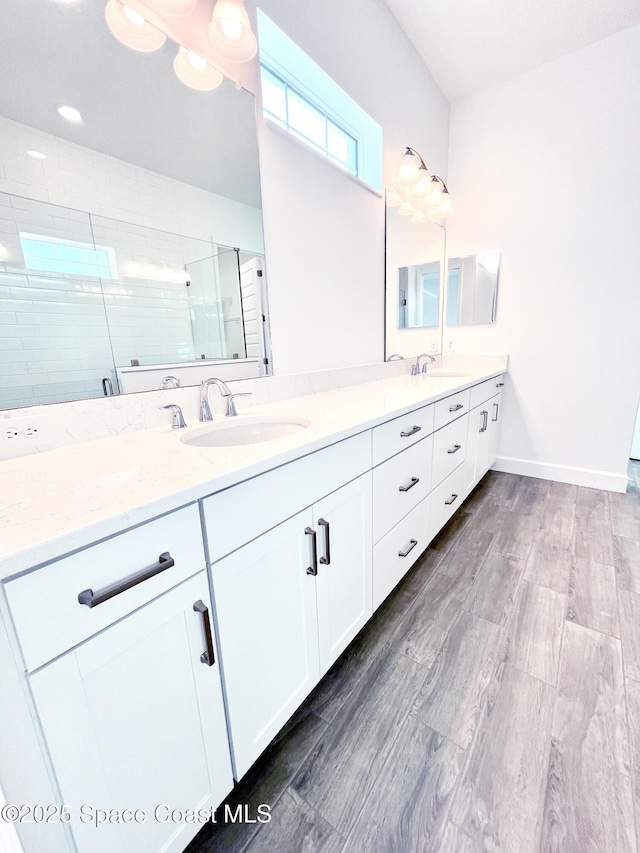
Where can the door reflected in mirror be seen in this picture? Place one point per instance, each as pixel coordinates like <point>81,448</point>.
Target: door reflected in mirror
<point>472,288</point>
<point>419,296</point>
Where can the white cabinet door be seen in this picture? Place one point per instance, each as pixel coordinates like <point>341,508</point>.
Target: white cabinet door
<point>477,419</point>
<point>484,447</point>
<point>134,719</point>
<point>344,580</point>
<point>266,614</point>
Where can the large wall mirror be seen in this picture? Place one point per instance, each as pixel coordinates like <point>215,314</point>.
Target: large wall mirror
<point>414,281</point>
<point>131,244</point>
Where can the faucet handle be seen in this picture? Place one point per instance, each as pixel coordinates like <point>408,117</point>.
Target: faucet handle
<point>231,406</point>
<point>178,421</point>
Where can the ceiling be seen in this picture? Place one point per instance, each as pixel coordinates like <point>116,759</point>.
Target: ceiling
<point>469,45</point>
<point>133,105</point>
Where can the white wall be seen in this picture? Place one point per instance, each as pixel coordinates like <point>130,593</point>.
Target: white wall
<point>324,233</point>
<point>545,167</point>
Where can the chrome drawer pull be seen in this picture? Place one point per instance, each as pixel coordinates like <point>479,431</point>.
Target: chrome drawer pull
<point>91,598</point>
<point>208,656</point>
<point>495,412</point>
<point>451,500</point>
<point>313,568</point>
<point>414,481</point>
<point>454,449</point>
<point>499,384</point>
<point>326,560</point>
<point>409,549</point>
<point>412,431</point>
<point>456,407</point>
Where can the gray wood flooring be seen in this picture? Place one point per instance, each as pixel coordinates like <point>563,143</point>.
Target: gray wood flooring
<point>491,704</point>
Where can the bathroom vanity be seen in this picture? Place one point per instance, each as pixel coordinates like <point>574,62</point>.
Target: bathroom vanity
<point>166,607</point>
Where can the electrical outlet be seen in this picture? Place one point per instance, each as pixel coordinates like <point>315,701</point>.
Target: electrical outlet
<point>433,346</point>
<point>450,344</point>
<point>26,434</point>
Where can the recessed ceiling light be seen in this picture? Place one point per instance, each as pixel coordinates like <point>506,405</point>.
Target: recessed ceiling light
<point>3,252</point>
<point>37,155</point>
<point>70,113</point>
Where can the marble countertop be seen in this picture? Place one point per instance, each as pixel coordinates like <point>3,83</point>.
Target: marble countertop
<point>61,500</point>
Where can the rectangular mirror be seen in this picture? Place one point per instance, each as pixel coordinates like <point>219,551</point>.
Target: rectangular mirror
<point>472,288</point>
<point>414,283</point>
<point>131,242</point>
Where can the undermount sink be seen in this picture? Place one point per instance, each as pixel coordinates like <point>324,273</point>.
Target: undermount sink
<point>245,430</point>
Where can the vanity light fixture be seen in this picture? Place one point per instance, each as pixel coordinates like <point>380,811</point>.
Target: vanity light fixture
<point>207,40</point>
<point>418,193</point>
<point>70,113</point>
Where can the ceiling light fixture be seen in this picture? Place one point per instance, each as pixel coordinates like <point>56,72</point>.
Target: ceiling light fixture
<point>417,193</point>
<point>37,155</point>
<point>206,39</point>
<point>70,114</point>
<point>131,28</point>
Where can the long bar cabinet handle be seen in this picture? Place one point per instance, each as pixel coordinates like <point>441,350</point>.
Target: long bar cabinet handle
<point>456,408</point>
<point>412,431</point>
<point>496,408</point>
<point>454,449</point>
<point>313,568</point>
<point>92,599</point>
<point>409,549</point>
<point>326,560</point>
<point>206,657</point>
<point>451,500</point>
<point>414,482</point>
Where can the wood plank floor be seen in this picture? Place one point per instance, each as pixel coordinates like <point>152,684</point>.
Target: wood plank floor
<point>491,704</point>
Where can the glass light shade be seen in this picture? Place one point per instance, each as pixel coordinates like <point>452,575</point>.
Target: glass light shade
<point>419,217</point>
<point>407,209</point>
<point>393,198</point>
<point>230,22</point>
<point>176,8</point>
<point>196,72</point>
<point>130,28</point>
<point>446,208</point>
<point>234,52</point>
<point>408,170</point>
<point>433,196</point>
<point>422,183</point>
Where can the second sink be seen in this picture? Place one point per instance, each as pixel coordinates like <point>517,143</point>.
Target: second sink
<point>245,430</point>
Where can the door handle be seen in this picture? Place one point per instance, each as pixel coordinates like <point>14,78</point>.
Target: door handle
<point>495,412</point>
<point>409,548</point>
<point>208,656</point>
<point>326,560</point>
<point>313,568</point>
<point>454,449</point>
<point>483,425</point>
<point>499,384</point>
<point>414,481</point>
<point>91,598</point>
<point>412,431</point>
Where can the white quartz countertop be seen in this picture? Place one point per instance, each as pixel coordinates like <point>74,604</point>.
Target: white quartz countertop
<point>56,502</point>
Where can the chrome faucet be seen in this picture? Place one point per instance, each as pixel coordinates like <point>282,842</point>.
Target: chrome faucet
<point>227,395</point>
<point>395,357</point>
<point>169,382</point>
<point>415,369</point>
<point>178,421</point>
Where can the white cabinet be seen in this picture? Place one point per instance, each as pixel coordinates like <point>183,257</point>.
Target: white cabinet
<point>287,604</point>
<point>133,719</point>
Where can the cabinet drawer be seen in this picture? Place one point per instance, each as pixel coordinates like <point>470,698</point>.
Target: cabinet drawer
<point>482,392</point>
<point>243,512</point>
<point>449,448</point>
<point>399,484</point>
<point>49,618</point>
<point>450,408</point>
<point>396,435</point>
<point>394,555</point>
<point>447,498</point>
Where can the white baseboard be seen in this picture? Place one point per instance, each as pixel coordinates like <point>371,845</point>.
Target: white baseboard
<point>562,473</point>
